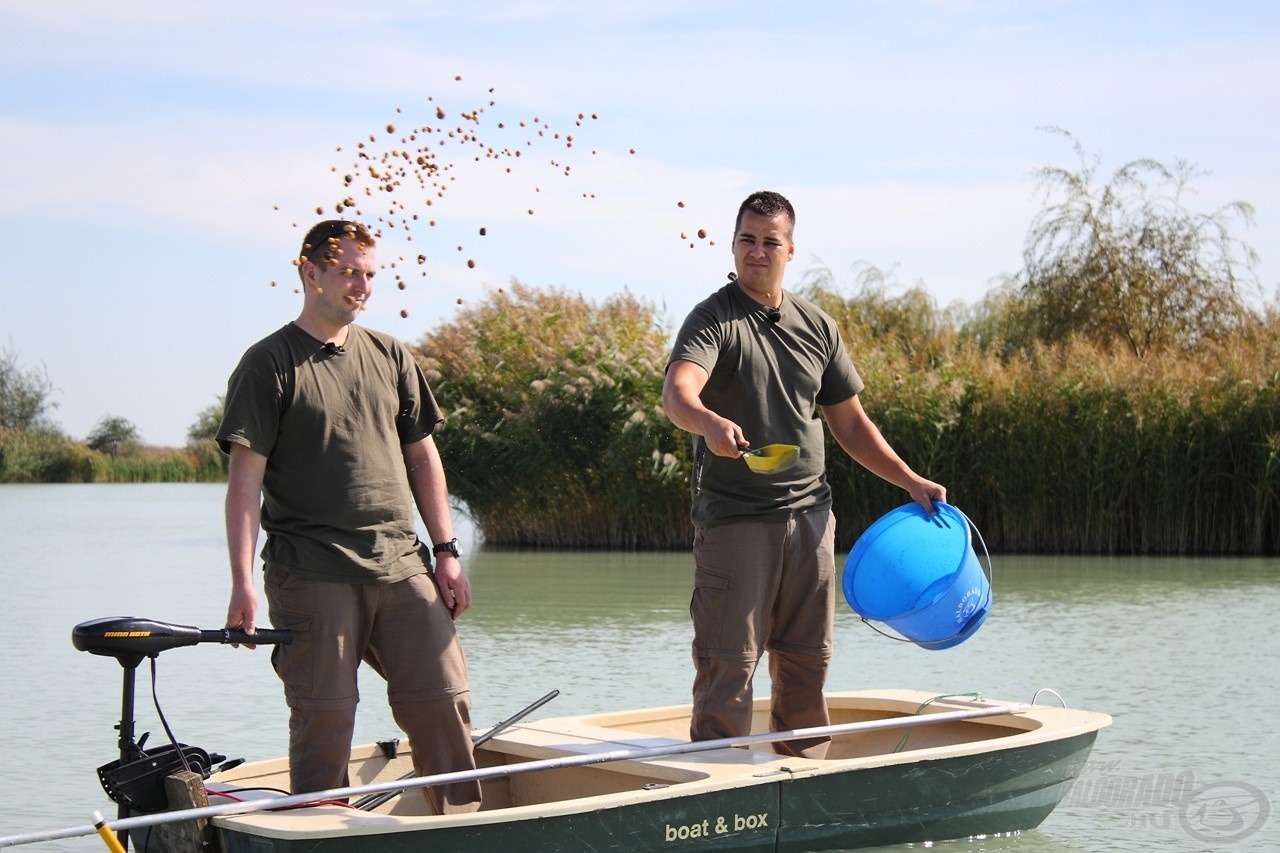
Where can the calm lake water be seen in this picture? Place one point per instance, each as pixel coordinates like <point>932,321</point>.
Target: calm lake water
<point>1181,652</point>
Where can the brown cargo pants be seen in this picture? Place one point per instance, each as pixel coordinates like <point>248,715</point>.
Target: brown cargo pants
<point>763,586</point>
<point>406,634</point>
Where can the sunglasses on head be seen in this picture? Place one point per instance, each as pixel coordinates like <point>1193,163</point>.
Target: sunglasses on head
<point>327,233</point>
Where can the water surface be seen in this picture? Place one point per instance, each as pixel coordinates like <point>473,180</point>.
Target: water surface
<point>1179,651</point>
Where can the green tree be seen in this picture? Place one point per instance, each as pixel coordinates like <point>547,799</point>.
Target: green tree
<point>207,422</point>
<point>114,436</point>
<point>1125,262</point>
<point>24,395</point>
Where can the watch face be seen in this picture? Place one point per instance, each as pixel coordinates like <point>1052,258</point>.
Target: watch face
<point>450,547</point>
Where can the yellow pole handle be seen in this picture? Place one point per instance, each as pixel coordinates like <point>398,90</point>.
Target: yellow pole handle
<point>108,837</point>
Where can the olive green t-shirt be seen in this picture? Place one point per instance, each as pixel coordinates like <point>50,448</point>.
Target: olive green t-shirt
<point>769,375</point>
<point>336,499</point>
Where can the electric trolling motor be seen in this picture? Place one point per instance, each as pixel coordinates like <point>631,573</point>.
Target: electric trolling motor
<point>135,781</point>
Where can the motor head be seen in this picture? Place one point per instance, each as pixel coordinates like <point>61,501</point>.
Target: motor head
<point>128,637</point>
<point>124,636</point>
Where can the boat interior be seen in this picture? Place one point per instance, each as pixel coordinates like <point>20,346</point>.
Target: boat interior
<point>660,728</point>
<point>845,708</point>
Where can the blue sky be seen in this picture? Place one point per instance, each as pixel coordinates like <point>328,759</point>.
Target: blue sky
<point>161,160</point>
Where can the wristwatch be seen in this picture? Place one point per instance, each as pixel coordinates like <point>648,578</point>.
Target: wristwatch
<point>450,547</point>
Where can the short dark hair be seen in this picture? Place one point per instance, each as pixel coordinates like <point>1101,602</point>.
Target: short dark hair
<point>766,203</point>
<point>321,241</point>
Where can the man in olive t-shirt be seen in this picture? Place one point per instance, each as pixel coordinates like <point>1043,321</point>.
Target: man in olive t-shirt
<point>328,426</point>
<point>754,365</point>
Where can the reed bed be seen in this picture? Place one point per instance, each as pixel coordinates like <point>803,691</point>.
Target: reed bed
<point>1079,449</point>
<point>555,435</point>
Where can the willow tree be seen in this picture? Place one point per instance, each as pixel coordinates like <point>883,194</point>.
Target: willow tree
<point>1125,262</point>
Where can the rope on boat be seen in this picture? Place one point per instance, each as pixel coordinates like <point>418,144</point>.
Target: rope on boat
<point>580,760</point>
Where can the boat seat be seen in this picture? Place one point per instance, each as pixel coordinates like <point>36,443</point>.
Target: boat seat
<point>532,741</point>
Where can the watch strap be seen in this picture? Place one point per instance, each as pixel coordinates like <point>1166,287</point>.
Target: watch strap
<point>450,547</point>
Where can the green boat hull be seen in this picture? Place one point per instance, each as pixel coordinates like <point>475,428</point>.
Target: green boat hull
<point>952,798</point>
<point>992,792</point>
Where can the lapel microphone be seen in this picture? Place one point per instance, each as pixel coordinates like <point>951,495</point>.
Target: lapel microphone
<point>333,349</point>
<point>773,315</point>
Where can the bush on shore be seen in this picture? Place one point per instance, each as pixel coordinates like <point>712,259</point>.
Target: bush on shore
<point>48,456</point>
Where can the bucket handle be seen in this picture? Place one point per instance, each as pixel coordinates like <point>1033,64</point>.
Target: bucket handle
<point>991,585</point>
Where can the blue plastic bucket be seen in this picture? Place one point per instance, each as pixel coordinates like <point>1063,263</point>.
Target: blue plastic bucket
<point>920,576</point>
